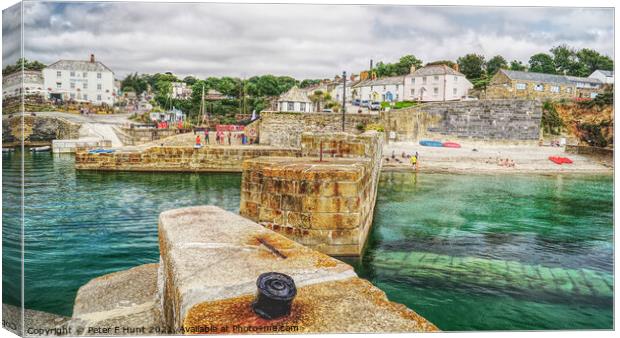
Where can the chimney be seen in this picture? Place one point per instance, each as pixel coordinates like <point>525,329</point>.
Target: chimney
<point>456,67</point>
<point>92,57</point>
<point>412,69</point>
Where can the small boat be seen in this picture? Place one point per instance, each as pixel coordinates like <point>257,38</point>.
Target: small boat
<point>560,160</point>
<point>40,149</point>
<point>101,151</point>
<point>451,145</point>
<point>428,143</point>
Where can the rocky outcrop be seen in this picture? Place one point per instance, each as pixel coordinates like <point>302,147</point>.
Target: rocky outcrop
<point>36,130</point>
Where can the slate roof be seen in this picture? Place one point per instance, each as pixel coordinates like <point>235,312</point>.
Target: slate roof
<point>547,78</point>
<point>393,80</point>
<point>80,66</point>
<point>436,70</point>
<point>295,94</point>
<point>606,72</point>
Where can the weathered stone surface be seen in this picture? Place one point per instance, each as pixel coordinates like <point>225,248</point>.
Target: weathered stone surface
<point>210,259</point>
<point>350,305</point>
<point>125,299</point>
<point>326,205</point>
<point>209,254</point>
<point>284,129</point>
<point>37,323</point>
<point>178,158</point>
<point>36,130</point>
<point>494,120</point>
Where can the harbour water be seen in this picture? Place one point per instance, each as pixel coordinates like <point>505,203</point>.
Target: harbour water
<point>468,252</point>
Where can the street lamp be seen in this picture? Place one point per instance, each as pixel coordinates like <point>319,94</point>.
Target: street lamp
<point>344,95</point>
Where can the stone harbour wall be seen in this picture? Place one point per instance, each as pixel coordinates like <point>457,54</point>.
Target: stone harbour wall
<point>37,130</point>
<point>492,120</point>
<point>327,205</point>
<point>180,159</point>
<point>284,129</point>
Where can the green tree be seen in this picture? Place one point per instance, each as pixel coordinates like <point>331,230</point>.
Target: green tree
<point>403,67</point>
<point>190,80</point>
<point>496,63</point>
<point>472,66</point>
<point>542,63</point>
<point>22,63</point>
<point>317,99</point>
<point>442,62</point>
<point>517,65</point>
<point>591,60</point>
<point>565,60</point>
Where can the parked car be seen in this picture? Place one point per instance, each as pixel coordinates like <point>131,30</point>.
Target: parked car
<point>356,102</point>
<point>364,103</point>
<point>469,98</point>
<point>327,110</point>
<point>374,105</point>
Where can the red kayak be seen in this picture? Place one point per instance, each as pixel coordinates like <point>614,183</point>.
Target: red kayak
<point>451,145</point>
<point>560,160</point>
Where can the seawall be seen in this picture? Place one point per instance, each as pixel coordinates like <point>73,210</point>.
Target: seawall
<point>36,130</point>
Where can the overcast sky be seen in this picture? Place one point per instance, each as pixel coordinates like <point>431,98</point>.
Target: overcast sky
<point>303,41</point>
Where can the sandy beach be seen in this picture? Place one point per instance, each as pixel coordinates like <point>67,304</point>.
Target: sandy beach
<point>486,158</point>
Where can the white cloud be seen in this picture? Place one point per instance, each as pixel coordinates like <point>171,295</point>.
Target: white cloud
<point>298,40</point>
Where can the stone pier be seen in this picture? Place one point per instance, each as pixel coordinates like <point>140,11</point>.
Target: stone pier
<point>179,159</point>
<point>206,281</point>
<point>325,204</point>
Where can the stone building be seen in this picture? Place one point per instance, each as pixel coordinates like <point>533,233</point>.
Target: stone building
<point>436,83</point>
<point>295,100</point>
<point>80,80</point>
<point>29,82</point>
<point>180,90</point>
<point>528,85</point>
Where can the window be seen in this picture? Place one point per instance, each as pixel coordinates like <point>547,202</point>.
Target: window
<point>58,73</point>
<point>413,80</point>
<point>302,106</point>
<point>456,79</point>
<point>383,87</point>
<point>436,78</point>
<point>98,75</point>
<point>424,80</point>
<point>98,97</point>
<point>72,96</point>
<point>98,86</point>
<point>436,90</point>
<point>84,74</point>
<point>412,92</point>
<point>555,89</point>
<point>569,90</point>
<point>58,85</point>
<point>396,87</point>
<point>521,86</point>
<point>72,73</point>
<point>291,106</point>
<point>453,91</point>
<point>85,96</point>
<point>72,85</point>
<point>539,87</point>
<point>85,85</point>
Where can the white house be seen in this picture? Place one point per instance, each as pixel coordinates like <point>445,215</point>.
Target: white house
<point>436,83</point>
<point>390,89</point>
<point>180,90</point>
<point>605,76</point>
<point>336,93</point>
<point>29,82</point>
<point>86,81</point>
<point>295,100</point>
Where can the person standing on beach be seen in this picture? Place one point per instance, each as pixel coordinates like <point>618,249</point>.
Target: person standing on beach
<point>414,161</point>
<point>198,141</point>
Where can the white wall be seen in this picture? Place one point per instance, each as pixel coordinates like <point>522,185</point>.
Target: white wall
<point>432,88</point>
<point>91,93</point>
<point>600,76</point>
<point>284,106</point>
<point>379,92</point>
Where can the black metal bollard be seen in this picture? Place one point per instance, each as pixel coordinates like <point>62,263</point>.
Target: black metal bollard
<point>275,295</point>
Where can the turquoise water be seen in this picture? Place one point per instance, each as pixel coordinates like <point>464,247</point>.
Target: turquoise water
<point>487,252</point>
<point>468,252</point>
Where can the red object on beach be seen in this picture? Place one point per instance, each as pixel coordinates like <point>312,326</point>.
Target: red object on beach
<point>560,160</point>
<point>451,145</point>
